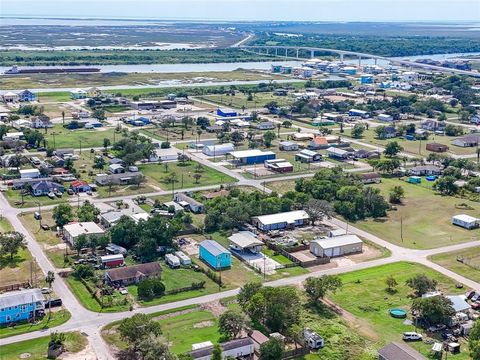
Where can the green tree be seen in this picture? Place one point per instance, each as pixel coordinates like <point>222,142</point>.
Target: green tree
<point>99,163</point>
<point>231,323</point>
<point>11,242</point>
<point>138,327</point>
<point>474,341</point>
<point>318,210</point>
<point>392,149</point>
<point>62,214</point>
<point>268,137</point>
<point>153,348</point>
<point>421,284</point>
<point>125,233</point>
<point>271,350</point>
<point>80,243</point>
<point>357,131</point>
<point>50,278</point>
<point>87,212</point>
<point>317,287</point>
<point>396,194</point>
<point>434,310</point>
<point>106,143</point>
<point>247,292</point>
<point>391,283</point>
<point>217,352</point>
<point>446,185</point>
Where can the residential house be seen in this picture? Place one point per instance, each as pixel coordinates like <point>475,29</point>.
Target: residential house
<point>27,95</point>
<point>215,255</point>
<point>64,153</point>
<point>125,178</point>
<point>116,169</point>
<point>467,141</point>
<point>389,132</point>
<point>367,154</point>
<point>189,203</point>
<point>433,125</point>
<point>22,305</point>
<point>288,146</point>
<point>459,303</point>
<point>21,123</point>
<point>57,161</point>
<point>13,136</point>
<point>308,156</point>
<point>10,97</point>
<point>265,125</point>
<point>77,94</point>
<point>399,351</point>
<point>425,170</point>
<point>371,178</point>
<point>94,92</point>
<point>72,231</point>
<point>79,186</point>
<point>110,218</point>
<point>245,241</point>
<point>385,117</point>
<point>29,174</point>
<point>303,136</point>
<point>285,220</point>
<point>41,122</point>
<point>129,275</point>
<point>45,187</point>
<point>465,221</point>
<point>318,142</point>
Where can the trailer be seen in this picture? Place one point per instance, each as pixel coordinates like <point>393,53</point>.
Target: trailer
<point>184,259</point>
<point>172,261</point>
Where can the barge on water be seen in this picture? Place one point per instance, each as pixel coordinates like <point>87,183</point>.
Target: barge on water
<point>16,71</point>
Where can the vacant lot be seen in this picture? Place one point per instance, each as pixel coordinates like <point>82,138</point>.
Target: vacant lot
<point>424,218</point>
<point>37,348</point>
<point>464,262</point>
<point>365,296</point>
<point>184,175</point>
<point>58,137</point>
<point>240,100</point>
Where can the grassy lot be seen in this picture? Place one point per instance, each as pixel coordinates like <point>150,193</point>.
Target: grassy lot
<point>54,96</point>
<point>42,236</point>
<point>60,137</point>
<point>37,348</point>
<point>5,225</point>
<point>173,133</point>
<point>470,267</point>
<point>426,218</point>
<point>281,187</point>
<point>365,296</point>
<point>413,147</point>
<point>184,175</point>
<point>14,197</point>
<point>178,278</point>
<point>57,318</point>
<point>17,270</point>
<point>241,100</point>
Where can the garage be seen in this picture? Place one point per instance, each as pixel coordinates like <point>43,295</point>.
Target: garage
<point>336,246</point>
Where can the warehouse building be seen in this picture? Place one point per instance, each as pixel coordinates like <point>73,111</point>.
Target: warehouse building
<point>249,157</point>
<point>279,165</point>
<point>336,246</point>
<point>285,220</point>
<point>218,150</point>
<point>72,231</point>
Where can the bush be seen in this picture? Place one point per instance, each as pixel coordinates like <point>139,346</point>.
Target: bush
<point>150,288</point>
<point>83,271</point>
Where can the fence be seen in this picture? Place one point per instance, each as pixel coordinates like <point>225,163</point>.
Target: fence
<point>295,353</point>
<point>16,286</point>
<point>287,253</point>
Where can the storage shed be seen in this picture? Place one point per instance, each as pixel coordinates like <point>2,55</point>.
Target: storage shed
<point>465,221</point>
<point>336,246</point>
<point>111,261</point>
<point>215,255</point>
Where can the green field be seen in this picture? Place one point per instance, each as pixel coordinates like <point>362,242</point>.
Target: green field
<point>424,216</point>
<point>57,318</point>
<point>413,147</point>
<point>365,296</point>
<point>470,267</point>
<point>240,100</point>
<point>5,225</point>
<point>58,137</point>
<point>184,175</point>
<point>37,348</point>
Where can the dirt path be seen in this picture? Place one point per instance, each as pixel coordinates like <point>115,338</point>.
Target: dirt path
<point>362,326</point>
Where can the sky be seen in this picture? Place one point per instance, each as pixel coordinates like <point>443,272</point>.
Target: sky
<point>235,10</point>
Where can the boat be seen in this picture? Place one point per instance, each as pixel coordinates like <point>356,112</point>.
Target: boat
<point>51,195</point>
<point>14,70</point>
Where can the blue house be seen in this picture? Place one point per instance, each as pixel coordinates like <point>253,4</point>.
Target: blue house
<point>215,255</point>
<point>250,157</point>
<point>21,305</point>
<point>226,113</point>
<point>45,187</point>
<point>27,95</point>
<point>366,79</point>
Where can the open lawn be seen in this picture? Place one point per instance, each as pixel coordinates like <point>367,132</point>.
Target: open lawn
<point>184,175</point>
<point>57,318</point>
<point>5,225</point>
<point>424,216</point>
<point>240,100</point>
<point>42,236</point>
<point>59,137</point>
<point>14,197</point>
<point>281,187</point>
<point>469,266</point>
<point>365,296</point>
<point>37,348</point>
<point>416,147</point>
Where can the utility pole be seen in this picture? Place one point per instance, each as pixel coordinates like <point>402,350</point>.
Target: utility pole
<point>401,228</point>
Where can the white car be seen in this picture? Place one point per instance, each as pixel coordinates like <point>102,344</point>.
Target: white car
<point>412,336</point>
<point>46,290</point>
<point>123,291</point>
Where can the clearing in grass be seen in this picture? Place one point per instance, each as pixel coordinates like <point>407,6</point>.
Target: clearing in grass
<point>465,262</point>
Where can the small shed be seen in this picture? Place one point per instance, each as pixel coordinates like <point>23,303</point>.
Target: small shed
<point>415,180</point>
<point>111,261</point>
<point>336,246</point>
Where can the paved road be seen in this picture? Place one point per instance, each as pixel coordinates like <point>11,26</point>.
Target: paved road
<point>91,323</point>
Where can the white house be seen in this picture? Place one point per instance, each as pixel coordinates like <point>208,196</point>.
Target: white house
<point>245,241</point>
<point>385,117</point>
<point>465,221</point>
<point>13,136</point>
<point>218,149</point>
<point>10,97</point>
<point>72,231</point>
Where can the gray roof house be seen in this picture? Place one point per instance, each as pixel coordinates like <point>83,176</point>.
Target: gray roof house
<point>423,170</point>
<point>399,351</point>
<point>189,203</point>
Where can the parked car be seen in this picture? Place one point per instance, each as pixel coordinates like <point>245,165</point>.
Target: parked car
<point>412,336</point>
<point>37,215</point>
<point>436,328</point>
<point>46,290</point>
<point>53,303</point>
<point>45,227</point>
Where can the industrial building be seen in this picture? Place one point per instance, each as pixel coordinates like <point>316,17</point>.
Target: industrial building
<point>72,231</point>
<point>285,220</point>
<point>218,149</point>
<point>249,157</point>
<point>336,246</point>
<point>279,165</point>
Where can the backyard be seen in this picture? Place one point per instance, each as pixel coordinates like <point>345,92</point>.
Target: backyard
<point>36,349</point>
<point>424,218</point>
<point>469,266</point>
<point>364,295</point>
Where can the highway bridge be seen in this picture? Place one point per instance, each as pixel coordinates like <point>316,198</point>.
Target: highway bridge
<point>296,52</point>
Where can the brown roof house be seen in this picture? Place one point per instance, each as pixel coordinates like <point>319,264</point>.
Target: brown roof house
<point>399,351</point>
<point>436,147</point>
<point>133,274</point>
<point>370,178</point>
